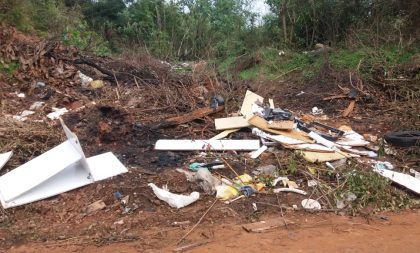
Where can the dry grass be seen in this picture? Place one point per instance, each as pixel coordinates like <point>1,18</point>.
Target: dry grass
<point>27,140</point>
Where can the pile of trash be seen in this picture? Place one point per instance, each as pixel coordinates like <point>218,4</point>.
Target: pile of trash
<point>273,128</point>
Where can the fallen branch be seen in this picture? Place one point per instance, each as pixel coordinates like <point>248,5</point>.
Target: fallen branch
<point>199,113</point>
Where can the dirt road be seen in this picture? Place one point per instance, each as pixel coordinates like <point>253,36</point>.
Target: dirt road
<point>388,232</point>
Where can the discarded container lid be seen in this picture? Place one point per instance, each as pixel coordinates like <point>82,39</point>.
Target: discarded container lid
<point>311,204</point>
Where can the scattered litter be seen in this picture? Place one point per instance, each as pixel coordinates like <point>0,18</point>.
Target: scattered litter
<point>97,84</point>
<point>58,170</point>
<point>300,93</point>
<point>226,192</point>
<point>4,158</point>
<point>289,190</point>
<point>317,111</point>
<point>39,85</point>
<point>268,170</point>
<point>247,190</point>
<point>95,206</point>
<point>378,165</point>
<point>117,195</point>
<point>311,204</point>
<point>36,105</point>
<point>57,112</point>
<point>20,95</point>
<point>312,183</point>
<point>23,115</point>
<point>227,202</point>
<point>254,206</point>
<point>174,200</point>
<point>84,79</point>
<point>216,101</point>
<point>346,200</point>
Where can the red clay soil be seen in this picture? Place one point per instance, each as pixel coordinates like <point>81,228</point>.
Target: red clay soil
<point>389,232</point>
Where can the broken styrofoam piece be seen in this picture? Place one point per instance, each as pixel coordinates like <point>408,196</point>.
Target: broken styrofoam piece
<point>311,204</point>
<point>257,153</point>
<point>20,95</point>
<point>174,200</point>
<point>289,190</point>
<point>60,169</point>
<point>4,158</point>
<point>216,145</point>
<point>23,115</point>
<point>57,112</point>
<point>405,180</point>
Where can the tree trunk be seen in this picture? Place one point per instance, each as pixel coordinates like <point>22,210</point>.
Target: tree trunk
<point>283,11</point>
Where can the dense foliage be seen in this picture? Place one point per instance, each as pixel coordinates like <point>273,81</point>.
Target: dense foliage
<point>194,29</point>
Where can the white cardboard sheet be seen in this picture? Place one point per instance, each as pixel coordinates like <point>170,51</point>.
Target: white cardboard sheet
<point>58,170</point>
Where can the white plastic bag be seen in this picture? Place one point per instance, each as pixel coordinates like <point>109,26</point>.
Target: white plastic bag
<point>174,200</point>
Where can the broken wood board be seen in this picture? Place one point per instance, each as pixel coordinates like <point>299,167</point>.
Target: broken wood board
<point>199,113</point>
<point>281,125</point>
<point>249,99</point>
<point>216,145</point>
<point>262,226</point>
<point>309,147</point>
<point>271,102</point>
<point>231,123</point>
<point>4,158</point>
<point>349,108</point>
<point>95,206</point>
<point>263,125</point>
<point>314,157</point>
<point>257,153</point>
<point>224,134</point>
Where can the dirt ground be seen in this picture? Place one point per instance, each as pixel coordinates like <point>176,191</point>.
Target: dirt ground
<point>388,232</point>
<point>120,117</point>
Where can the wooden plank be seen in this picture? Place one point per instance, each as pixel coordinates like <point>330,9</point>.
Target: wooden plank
<point>261,226</point>
<point>216,145</point>
<point>314,157</point>
<point>231,122</point>
<point>224,134</point>
<point>249,99</point>
<point>349,108</point>
<point>281,125</point>
<point>263,125</point>
<point>199,113</point>
<point>310,147</point>
<point>271,102</point>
